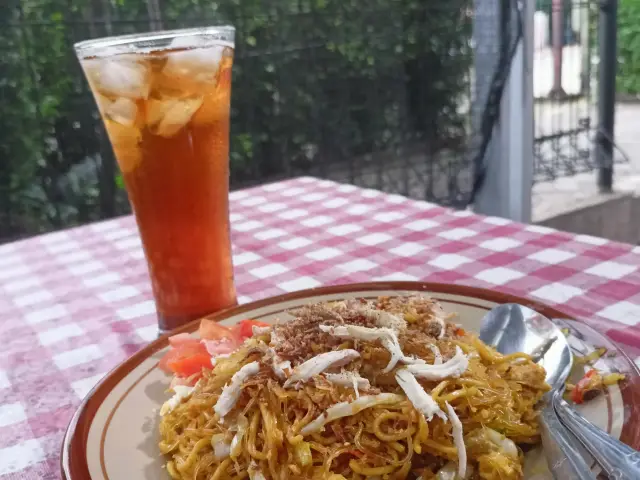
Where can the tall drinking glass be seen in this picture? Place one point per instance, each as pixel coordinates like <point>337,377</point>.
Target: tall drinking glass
<point>164,98</point>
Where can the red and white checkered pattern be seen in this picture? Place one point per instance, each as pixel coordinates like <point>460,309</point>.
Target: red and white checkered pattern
<point>75,303</point>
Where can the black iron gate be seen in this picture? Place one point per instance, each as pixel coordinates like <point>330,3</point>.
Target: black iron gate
<point>574,95</point>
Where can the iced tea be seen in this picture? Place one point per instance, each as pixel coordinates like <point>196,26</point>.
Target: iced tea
<point>166,111</point>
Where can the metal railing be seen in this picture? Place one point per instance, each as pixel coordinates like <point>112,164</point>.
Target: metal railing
<point>574,88</point>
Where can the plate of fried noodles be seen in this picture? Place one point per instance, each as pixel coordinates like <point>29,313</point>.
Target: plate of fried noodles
<point>370,381</point>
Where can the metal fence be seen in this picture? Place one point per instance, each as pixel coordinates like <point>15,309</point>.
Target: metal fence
<point>378,93</point>
<point>571,130</point>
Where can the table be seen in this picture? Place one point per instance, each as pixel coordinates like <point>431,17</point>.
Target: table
<point>75,303</point>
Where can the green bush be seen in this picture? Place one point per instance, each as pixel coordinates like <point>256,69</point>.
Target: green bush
<point>628,75</point>
<point>316,83</point>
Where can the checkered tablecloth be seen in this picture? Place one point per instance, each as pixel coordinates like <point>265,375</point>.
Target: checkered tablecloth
<point>73,304</point>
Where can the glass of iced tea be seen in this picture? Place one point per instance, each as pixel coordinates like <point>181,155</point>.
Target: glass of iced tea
<point>164,98</point>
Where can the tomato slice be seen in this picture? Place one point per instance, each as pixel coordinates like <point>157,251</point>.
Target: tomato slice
<point>186,359</point>
<point>459,331</point>
<point>219,347</point>
<point>211,330</point>
<point>188,355</point>
<point>189,359</point>
<point>181,339</point>
<point>171,355</point>
<point>577,395</point>
<point>245,328</point>
<point>187,366</point>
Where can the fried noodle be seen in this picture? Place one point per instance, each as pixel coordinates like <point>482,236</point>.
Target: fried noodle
<point>263,435</point>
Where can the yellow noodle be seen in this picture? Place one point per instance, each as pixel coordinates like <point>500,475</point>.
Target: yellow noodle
<point>172,470</point>
<point>385,437</point>
<point>193,455</point>
<point>456,394</point>
<point>404,471</point>
<point>441,448</point>
<point>382,441</point>
<point>438,389</point>
<point>252,448</point>
<point>369,471</point>
<point>217,475</point>
<point>513,356</point>
<point>421,435</point>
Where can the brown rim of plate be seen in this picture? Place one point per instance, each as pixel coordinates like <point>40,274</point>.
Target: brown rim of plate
<point>74,466</point>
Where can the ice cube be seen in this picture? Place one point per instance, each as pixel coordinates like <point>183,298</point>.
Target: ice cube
<point>216,104</point>
<point>199,64</point>
<point>126,144</point>
<point>215,107</point>
<point>165,117</point>
<point>123,110</point>
<point>119,76</point>
<point>188,41</point>
<point>102,101</point>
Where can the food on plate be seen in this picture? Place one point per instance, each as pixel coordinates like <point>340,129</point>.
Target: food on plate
<point>378,389</point>
<point>591,381</point>
<point>592,384</point>
<point>187,356</point>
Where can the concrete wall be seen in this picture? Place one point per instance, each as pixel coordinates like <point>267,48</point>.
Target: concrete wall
<point>615,216</point>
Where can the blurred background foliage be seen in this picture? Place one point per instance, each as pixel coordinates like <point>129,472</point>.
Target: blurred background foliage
<point>628,77</point>
<point>318,85</point>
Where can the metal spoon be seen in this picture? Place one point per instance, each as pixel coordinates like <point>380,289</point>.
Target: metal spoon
<point>512,328</point>
<point>618,460</point>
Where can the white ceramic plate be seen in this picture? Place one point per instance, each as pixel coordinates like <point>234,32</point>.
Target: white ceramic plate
<point>114,433</point>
